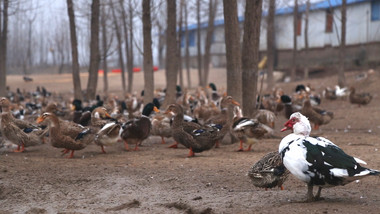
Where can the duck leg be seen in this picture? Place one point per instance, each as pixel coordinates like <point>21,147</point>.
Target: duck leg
<point>71,154</point>
<point>191,153</point>
<point>282,187</point>
<point>126,145</point>
<point>217,144</point>
<point>65,151</point>
<point>103,151</point>
<point>137,146</point>
<point>174,146</point>
<point>20,148</point>
<point>241,149</point>
<point>249,148</point>
<point>162,140</point>
<point>318,196</point>
<point>316,126</point>
<point>310,196</point>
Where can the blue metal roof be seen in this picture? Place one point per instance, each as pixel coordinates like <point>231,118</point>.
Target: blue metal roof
<point>287,10</point>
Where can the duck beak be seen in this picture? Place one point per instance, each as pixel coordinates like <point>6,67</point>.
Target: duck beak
<point>155,109</point>
<point>235,102</point>
<point>40,120</point>
<point>108,115</point>
<point>72,107</point>
<point>287,126</point>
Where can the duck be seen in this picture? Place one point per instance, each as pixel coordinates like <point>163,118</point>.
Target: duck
<point>316,115</point>
<point>248,130</point>
<point>223,120</point>
<point>269,171</point>
<point>161,125</point>
<point>21,137</point>
<point>137,129</point>
<point>197,138</point>
<point>316,160</point>
<point>107,132</point>
<point>289,107</point>
<point>215,96</point>
<point>360,99</point>
<point>5,105</point>
<point>76,139</point>
<point>81,115</point>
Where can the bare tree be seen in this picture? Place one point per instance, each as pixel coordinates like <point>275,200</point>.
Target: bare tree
<point>130,55</point>
<point>3,46</point>
<point>171,51</point>
<point>250,55</point>
<point>270,43</point>
<point>74,51</point>
<point>105,47</point>
<point>306,69</point>
<point>148,57</point>
<point>119,47</point>
<point>94,51</point>
<point>233,54</point>
<point>213,5</point>
<point>341,77</point>
<point>199,56</point>
<point>179,40</point>
<point>187,50</point>
<point>295,28</point>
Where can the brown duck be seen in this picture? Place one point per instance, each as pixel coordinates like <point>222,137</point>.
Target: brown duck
<point>195,137</point>
<point>269,171</point>
<point>21,137</point>
<point>316,115</point>
<point>223,120</point>
<point>248,130</point>
<point>360,99</point>
<point>161,125</point>
<point>137,129</point>
<point>76,139</point>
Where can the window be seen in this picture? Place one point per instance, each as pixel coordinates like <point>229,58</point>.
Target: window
<point>191,39</point>
<point>329,21</point>
<point>375,10</point>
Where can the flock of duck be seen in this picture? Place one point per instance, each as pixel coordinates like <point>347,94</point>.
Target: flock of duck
<point>197,121</point>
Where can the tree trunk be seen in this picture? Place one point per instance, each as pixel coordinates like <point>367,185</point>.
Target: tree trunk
<point>74,51</point>
<point>341,77</point>
<point>306,61</point>
<point>270,43</point>
<point>171,52</point>
<point>233,54</point>
<point>180,70</point>
<point>148,58</point>
<point>119,42</point>
<point>210,31</point>
<point>3,48</point>
<point>105,48</point>
<point>294,59</point>
<point>130,55</point>
<point>250,55</point>
<point>94,51</point>
<point>187,50</point>
<point>199,56</point>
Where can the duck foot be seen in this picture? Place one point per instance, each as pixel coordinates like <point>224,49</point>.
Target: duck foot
<point>191,153</point>
<point>103,151</point>
<point>65,151</point>
<point>174,146</point>
<point>126,146</point>
<point>217,145</point>
<point>71,154</point>
<point>163,140</point>
<point>282,187</point>
<point>136,148</point>
<point>20,148</point>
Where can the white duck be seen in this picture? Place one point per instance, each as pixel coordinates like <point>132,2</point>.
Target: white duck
<point>316,160</point>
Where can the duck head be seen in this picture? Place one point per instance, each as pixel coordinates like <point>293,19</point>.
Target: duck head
<point>298,123</point>
<point>174,109</point>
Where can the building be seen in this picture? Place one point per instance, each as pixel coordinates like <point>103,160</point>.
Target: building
<point>362,36</point>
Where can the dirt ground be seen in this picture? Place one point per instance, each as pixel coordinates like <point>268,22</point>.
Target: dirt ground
<point>157,179</point>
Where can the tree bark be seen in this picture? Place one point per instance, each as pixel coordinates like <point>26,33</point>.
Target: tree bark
<point>199,50</point>
<point>250,55</point>
<point>74,51</point>
<point>210,31</point>
<point>119,46</point>
<point>294,59</point>
<point>233,54</point>
<point>148,57</point>
<point>179,40</point>
<point>171,52</point>
<point>94,51</point>
<point>105,48</point>
<point>306,69</point>
<point>187,50</point>
<point>270,43</point>
<point>341,77</point>
<point>130,52</point>
<point>3,48</point>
